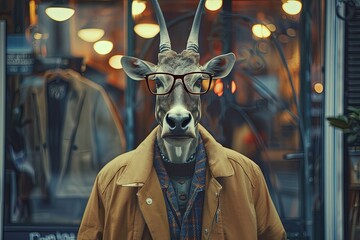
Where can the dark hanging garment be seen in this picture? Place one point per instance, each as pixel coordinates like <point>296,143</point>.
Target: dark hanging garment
<point>57,91</point>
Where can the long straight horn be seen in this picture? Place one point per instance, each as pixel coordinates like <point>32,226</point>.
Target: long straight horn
<point>165,43</point>
<point>193,41</point>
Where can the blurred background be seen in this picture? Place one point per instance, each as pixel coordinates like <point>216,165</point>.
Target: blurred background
<point>297,62</point>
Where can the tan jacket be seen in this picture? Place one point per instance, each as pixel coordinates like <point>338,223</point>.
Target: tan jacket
<point>127,202</point>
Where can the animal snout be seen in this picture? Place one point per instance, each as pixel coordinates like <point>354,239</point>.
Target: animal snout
<point>178,123</point>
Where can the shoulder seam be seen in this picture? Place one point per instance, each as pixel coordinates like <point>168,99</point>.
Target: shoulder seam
<point>105,186</point>
<point>121,165</point>
<point>250,165</point>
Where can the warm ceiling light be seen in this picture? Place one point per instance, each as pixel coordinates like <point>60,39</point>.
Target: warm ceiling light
<point>103,47</point>
<point>35,32</point>
<point>205,84</point>
<point>291,32</point>
<point>233,87</point>
<point>261,31</point>
<point>59,13</point>
<point>213,5</point>
<point>292,7</point>
<point>91,34</point>
<point>271,27</point>
<point>319,88</point>
<point>38,36</point>
<point>147,30</point>
<point>115,62</point>
<point>138,7</point>
<point>219,88</point>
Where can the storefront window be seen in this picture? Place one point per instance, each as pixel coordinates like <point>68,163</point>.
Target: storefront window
<point>70,108</point>
<point>64,114</point>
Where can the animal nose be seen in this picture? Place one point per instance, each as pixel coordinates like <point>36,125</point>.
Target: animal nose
<point>178,122</point>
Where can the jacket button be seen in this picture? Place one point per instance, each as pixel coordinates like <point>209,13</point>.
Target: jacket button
<point>149,201</point>
<point>206,231</point>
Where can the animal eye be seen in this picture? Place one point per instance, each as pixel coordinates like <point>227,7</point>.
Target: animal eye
<point>158,83</point>
<point>198,83</point>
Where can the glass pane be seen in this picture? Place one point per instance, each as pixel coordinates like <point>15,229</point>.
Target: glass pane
<point>65,102</point>
<point>64,112</point>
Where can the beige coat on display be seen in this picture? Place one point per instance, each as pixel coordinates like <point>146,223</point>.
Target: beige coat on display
<point>92,133</point>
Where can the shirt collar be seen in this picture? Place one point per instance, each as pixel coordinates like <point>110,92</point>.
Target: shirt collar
<point>199,171</point>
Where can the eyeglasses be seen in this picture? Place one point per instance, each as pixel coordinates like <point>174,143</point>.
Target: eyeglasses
<point>162,83</point>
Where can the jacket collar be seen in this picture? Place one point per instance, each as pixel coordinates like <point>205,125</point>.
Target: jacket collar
<point>140,161</point>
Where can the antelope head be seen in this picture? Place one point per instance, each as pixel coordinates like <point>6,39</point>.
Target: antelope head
<point>178,80</point>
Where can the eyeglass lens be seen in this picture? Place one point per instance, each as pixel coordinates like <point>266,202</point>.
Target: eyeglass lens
<point>195,83</point>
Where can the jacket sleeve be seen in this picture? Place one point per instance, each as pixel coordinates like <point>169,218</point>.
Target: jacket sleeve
<point>92,224</point>
<point>269,223</point>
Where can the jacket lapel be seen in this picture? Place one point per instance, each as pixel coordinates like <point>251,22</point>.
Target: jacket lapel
<point>140,173</point>
<point>152,205</point>
<point>40,105</point>
<point>216,157</point>
<point>140,163</point>
<point>219,167</point>
<point>74,105</point>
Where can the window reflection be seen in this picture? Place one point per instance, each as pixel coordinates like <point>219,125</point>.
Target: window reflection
<point>66,108</point>
<point>65,119</point>
<point>68,130</point>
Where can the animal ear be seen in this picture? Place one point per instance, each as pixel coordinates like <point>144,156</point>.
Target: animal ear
<point>136,68</point>
<point>221,65</point>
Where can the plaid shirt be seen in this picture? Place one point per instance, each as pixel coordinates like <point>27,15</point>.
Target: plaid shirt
<point>189,225</point>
